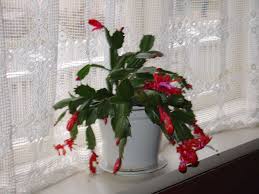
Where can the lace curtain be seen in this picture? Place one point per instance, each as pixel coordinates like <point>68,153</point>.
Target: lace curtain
<point>214,43</point>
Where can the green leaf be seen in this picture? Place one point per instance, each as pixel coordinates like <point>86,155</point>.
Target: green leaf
<point>83,72</point>
<point>86,69</point>
<point>123,59</point>
<point>152,114</point>
<point>137,82</point>
<point>183,116</point>
<point>108,36</point>
<point>146,43</point>
<point>74,103</point>
<point>150,70</point>
<point>74,131</point>
<point>122,145</point>
<point>109,84</point>
<point>122,127</point>
<point>85,91</point>
<point>102,94</point>
<point>182,132</point>
<point>141,97</point>
<point>117,100</point>
<point>176,100</point>
<point>122,109</point>
<point>85,105</point>
<point>90,138</point>
<point>61,116</point>
<point>62,103</point>
<point>113,57</point>
<point>133,62</point>
<point>103,109</point>
<point>153,97</point>
<point>125,90</point>
<point>117,39</point>
<point>146,76</point>
<point>90,116</point>
<point>119,74</point>
<point>149,55</point>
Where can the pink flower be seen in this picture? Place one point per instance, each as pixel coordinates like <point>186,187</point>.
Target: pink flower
<point>117,166</point>
<point>96,24</point>
<point>162,83</point>
<point>165,118</point>
<point>72,121</point>
<point>93,162</point>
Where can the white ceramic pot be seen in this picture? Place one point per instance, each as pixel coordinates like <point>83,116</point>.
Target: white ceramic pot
<point>141,151</point>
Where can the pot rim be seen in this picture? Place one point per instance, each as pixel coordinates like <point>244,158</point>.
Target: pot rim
<point>137,108</point>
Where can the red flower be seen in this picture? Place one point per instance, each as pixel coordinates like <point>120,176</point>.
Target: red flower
<point>72,121</point>
<point>197,130</point>
<point>187,154</point>
<point>96,24</point>
<point>78,79</point>
<point>93,162</point>
<point>117,141</point>
<point>162,84</point>
<point>189,86</point>
<point>165,118</point>
<point>172,142</point>
<point>189,147</point>
<point>182,167</point>
<point>60,148</point>
<point>69,143</point>
<point>117,166</point>
<point>105,120</point>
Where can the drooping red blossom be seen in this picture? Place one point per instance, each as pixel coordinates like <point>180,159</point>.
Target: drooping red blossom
<point>78,79</point>
<point>162,83</point>
<point>117,166</point>
<point>72,121</point>
<point>166,120</point>
<point>197,130</point>
<point>69,143</point>
<point>187,154</point>
<point>93,162</point>
<point>188,148</point>
<point>105,120</point>
<point>60,149</point>
<point>96,24</point>
<point>182,167</point>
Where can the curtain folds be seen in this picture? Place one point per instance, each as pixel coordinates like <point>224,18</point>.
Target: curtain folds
<point>213,43</point>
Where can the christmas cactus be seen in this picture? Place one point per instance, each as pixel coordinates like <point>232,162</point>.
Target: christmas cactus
<point>130,83</point>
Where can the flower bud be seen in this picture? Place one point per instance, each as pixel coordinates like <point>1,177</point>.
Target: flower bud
<point>117,166</point>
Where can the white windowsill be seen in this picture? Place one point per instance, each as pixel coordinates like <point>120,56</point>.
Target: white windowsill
<point>105,183</point>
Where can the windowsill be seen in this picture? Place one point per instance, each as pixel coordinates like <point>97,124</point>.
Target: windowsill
<point>104,183</point>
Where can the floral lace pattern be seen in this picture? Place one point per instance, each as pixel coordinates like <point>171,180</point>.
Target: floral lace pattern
<point>44,42</point>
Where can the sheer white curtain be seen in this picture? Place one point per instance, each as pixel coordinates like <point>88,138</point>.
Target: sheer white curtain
<point>214,43</point>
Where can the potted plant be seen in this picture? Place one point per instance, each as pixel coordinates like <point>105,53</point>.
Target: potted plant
<point>133,91</point>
